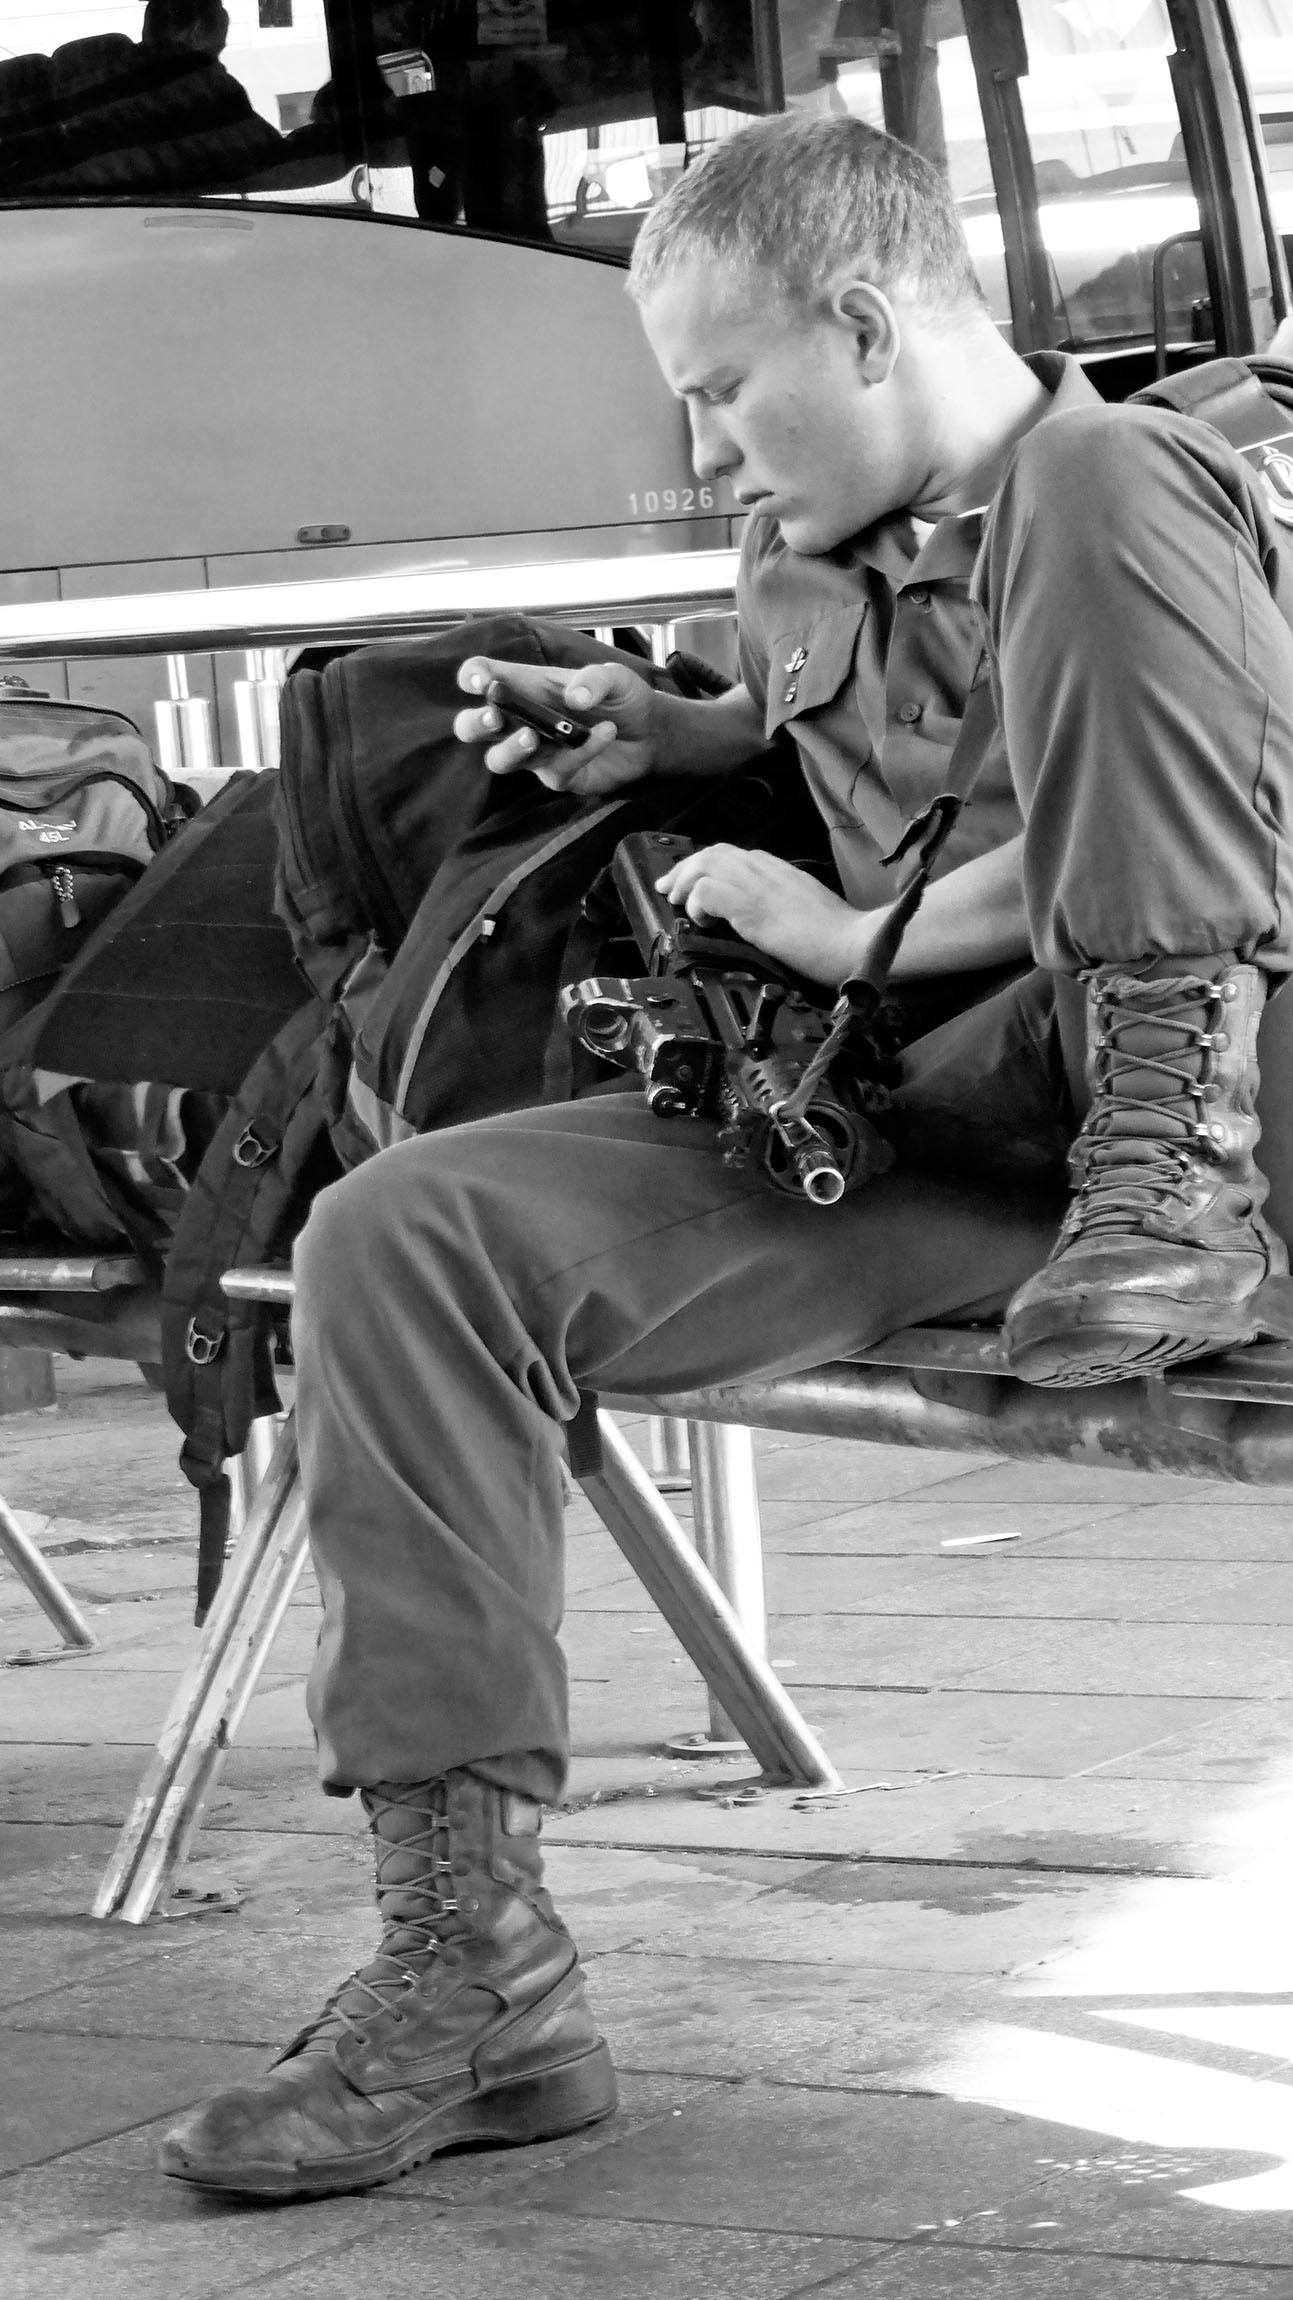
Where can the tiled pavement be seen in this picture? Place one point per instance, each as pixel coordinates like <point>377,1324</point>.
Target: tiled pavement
<point>1013,2021</point>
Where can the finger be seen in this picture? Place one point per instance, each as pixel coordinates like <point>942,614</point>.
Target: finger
<point>594,684</point>
<point>679,879</point>
<point>707,901</point>
<point>516,750</point>
<point>562,770</point>
<point>476,671</point>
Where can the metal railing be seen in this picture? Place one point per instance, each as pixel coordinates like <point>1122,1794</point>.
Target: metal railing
<point>354,610</point>
<point>264,619</point>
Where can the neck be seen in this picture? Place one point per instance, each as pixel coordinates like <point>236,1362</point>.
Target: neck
<point>976,420</point>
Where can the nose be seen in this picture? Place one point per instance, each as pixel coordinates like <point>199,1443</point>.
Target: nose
<point>714,454</point>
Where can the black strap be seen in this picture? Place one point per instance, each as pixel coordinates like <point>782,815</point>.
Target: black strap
<point>248,1195</point>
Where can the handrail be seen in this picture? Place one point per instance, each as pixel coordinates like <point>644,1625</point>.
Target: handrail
<point>670,587</point>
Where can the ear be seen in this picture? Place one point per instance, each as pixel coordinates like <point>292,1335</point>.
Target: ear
<point>872,321</point>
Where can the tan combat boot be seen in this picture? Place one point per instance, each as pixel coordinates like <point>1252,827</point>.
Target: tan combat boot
<point>469,2024</point>
<point>1163,1253</point>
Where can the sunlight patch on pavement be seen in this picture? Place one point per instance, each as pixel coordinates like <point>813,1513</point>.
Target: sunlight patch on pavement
<point>1134,2096</point>
<point>1158,1961</point>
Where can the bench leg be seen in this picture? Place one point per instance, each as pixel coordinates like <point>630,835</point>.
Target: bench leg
<point>44,1584</point>
<point>700,1616</point>
<point>667,1454</point>
<point>212,1698</point>
<point>729,1540</point>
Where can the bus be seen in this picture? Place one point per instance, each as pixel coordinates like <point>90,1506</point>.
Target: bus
<point>315,287</point>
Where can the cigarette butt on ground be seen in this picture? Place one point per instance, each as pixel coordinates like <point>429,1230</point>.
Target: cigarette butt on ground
<point>976,1540</point>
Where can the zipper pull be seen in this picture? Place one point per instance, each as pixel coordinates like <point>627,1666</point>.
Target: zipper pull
<point>65,893</point>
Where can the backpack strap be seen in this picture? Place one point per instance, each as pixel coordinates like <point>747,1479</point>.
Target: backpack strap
<point>250,1196</point>
<point>1237,397</point>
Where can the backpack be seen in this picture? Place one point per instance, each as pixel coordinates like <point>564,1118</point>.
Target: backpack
<point>83,810</point>
<point>109,1096</point>
<point>435,911</point>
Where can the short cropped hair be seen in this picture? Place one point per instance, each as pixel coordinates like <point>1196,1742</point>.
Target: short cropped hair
<point>798,197</point>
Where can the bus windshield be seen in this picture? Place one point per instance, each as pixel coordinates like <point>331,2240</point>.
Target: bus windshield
<point>558,122</point>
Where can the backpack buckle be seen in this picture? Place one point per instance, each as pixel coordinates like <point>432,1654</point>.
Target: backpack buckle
<point>201,1349</point>
<point>249,1150</point>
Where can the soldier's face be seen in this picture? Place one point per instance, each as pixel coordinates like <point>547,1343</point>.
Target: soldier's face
<point>780,404</point>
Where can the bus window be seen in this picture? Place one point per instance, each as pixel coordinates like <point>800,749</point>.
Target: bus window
<point>1112,181</point>
<point>1265,30</point>
<point>559,122</point>
<point>123,99</point>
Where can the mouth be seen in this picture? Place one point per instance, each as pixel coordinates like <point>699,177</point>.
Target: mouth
<point>746,498</point>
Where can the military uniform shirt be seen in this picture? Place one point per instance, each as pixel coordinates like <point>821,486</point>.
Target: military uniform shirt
<point>867,656</point>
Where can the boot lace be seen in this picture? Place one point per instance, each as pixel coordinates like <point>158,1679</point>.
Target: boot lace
<point>1140,1145</point>
<point>415,1903</point>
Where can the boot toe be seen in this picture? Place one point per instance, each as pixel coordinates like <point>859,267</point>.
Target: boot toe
<point>255,2138</point>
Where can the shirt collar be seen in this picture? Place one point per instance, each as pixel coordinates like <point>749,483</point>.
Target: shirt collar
<point>892,547</point>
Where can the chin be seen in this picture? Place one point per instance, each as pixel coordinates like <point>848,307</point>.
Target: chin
<point>812,537</point>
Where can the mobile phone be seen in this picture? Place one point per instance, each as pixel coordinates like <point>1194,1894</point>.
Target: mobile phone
<point>564,727</point>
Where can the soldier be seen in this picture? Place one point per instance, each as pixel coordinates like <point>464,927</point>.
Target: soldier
<point>956,561</point>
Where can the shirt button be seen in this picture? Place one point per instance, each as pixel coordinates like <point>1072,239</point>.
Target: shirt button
<point>919,596</point>
<point>910,712</point>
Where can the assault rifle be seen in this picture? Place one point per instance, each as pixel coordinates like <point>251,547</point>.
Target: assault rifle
<point>719,1030</point>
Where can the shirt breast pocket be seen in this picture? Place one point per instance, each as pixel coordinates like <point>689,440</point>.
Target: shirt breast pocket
<point>811,669</point>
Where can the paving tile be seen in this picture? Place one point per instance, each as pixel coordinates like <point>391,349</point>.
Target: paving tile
<point>795,2023</point>
<point>785,2158</point>
<point>612,1896</point>
<point>85,2226</point>
<point>908,1917</point>
<point>840,1471</point>
<point>1143,1825</point>
<point>71,1701</point>
<point>1052,1481</point>
<point>1048,1733</point>
<point>39,1878</point>
<point>1245,1741</point>
<point>909,1525</point>
<point>1171,1941</point>
<point>1252,1531</point>
<point>57,1953</point>
<point>546,2256</point>
<point>1005,1584</point>
<point>1142,2151</point>
<point>50,1782</point>
<point>1093,1657</point>
<point>928,2271</point>
<point>61,2092</point>
<point>222,1982</point>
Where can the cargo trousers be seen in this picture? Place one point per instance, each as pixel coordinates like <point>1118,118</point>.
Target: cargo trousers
<point>457,1294</point>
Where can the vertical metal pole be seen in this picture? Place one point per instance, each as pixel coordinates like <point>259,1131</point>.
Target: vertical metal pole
<point>668,1458</point>
<point>729,1540</point>
<point>184,743</point>
<point>256,708</point>
<point>249,1467</point>
<point>664,639</point>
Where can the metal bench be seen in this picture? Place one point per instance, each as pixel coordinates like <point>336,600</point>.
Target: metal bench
<point>1227,1417</point>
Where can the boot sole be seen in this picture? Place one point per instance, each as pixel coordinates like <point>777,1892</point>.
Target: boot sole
<point>1078,1348</point>
<point>545,2106</point>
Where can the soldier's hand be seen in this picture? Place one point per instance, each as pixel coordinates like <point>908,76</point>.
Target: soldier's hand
<point>621,748</point>
<point>768,902</point>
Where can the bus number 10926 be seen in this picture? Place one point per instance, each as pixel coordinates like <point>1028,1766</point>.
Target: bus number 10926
<point>653,500</point>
